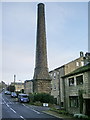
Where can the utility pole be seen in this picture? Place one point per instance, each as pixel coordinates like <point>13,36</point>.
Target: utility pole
<point>14,79</point>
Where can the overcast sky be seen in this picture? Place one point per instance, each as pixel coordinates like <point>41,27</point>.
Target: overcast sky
<point>66,33</point>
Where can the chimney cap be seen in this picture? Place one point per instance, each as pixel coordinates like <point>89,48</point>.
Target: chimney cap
<point>41,4</point>
<point>81,54</point>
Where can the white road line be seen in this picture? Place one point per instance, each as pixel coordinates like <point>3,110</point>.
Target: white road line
<point>31,109</point>
<point>22,117</point>
<point>9,101</point>
<point>25,106</point>
<point>7,105</point>
<point>13,110</point>
<point>4,100</point>
<point>36,111</point>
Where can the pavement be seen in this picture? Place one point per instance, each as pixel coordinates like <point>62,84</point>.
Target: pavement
<point>47,110</point>
<point>61,116</point>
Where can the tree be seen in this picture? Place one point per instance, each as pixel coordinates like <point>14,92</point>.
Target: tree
<point>11,88</point>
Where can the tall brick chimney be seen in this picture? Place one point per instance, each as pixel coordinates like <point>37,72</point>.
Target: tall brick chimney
<point>41,79</point>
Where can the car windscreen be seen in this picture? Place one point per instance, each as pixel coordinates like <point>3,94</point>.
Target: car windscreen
<point>25,96</point>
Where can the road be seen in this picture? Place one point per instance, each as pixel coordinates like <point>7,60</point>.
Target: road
<point>11,109</point>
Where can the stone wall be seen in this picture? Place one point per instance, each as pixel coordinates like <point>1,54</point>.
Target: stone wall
<point>74,91</point>
<point>28,87</point>
<point>73,65</point>
<point>57,84</point>
<point>42,86</point>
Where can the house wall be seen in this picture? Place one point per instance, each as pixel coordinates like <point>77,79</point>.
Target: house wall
<point>56,76</point>
<point>74,91</point>
<point>71,91</point>
<point>28,87</point>
<point>57,88</point>
<point>73,65</point>
<point>18,86</point>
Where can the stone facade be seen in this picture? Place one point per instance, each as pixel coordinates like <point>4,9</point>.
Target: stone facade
<point>41,79</point>
<point>57,88</point>
<point>42,86</point>
<point>28,86</point>
<point>57,82</point>
<point>2,85</point>
<point>74,84</point>
<point>18,86</point>
<point>73,65</point>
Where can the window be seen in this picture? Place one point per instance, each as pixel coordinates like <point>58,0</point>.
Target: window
<point>77,63</point>
<point>51,75</point>
<point>79,80</point>
<point>62,104</point>
<point>58,75</point>
<point>54,86</point>
<point>54,75</point>
<point>51,87</point>
<point>82,63</point>
<point>73,100</point>
<point>71,81</point>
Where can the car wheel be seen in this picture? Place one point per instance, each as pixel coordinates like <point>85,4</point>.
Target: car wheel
<point>20,101</point>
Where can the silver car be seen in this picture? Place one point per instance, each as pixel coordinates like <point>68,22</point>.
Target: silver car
<point>7,92</point>
<point>13,94</point>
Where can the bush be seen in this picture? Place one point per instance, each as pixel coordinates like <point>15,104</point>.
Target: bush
<point>38,103</point>
<point>11,88</point>
<point>31,96</point>
<point>42,97</point>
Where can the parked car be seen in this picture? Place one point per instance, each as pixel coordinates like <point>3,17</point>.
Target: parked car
<point>23,98</point>
<point>7,92</point>
<point>13,94</point>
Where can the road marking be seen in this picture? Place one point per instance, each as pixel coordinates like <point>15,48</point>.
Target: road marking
<point>31,109</point>
<point>22,117</point>
<point>25,106</point>
<point>13,110</point>
<point>7,105</point>
<point>8,100</point>
<point>36,111</point>
<point>4,101</point>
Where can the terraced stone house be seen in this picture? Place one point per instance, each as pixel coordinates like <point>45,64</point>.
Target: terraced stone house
<point>77,90</point>
<point>57,89</point>
<point>57,83</point>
